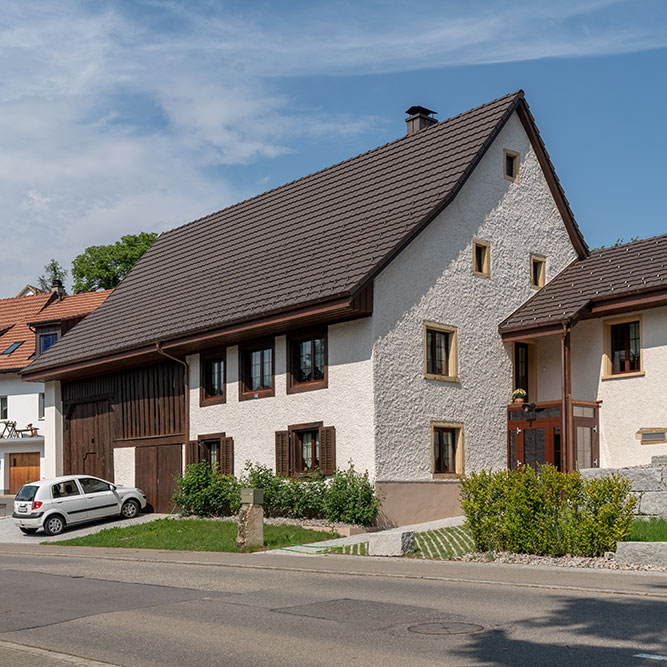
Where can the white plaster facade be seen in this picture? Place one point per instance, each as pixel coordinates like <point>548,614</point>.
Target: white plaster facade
<point>628,403</point>
<point>23,408</point>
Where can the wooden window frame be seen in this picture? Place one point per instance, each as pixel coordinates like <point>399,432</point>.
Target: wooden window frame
<point>294,387</point>
<point>516,157</point>
<point>453,356</point>
<point>660,439</point>
<point>531,389</point>
<point>294,430</point>
<point>220,437</point>
<point>246,394</point>
<point>204,398</point>
<point>542,261</point>
<point>607,365</point>
<point>486,264</point>
<point>459,460</point>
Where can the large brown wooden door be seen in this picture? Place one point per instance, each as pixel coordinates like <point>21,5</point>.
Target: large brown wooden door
<point>157,468</point>
<point>23,468</point>
<point>89,446</point>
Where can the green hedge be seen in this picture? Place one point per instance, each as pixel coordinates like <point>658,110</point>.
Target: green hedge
<point>347,496</point>
<point>547,512</point>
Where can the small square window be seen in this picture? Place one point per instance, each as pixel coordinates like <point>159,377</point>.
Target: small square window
<point>511,165</point>
<point>212,380</point>
<point>481,258</point>
<point>446,449</point>
<point>46,341</point>
<point>623,347</point>
<point>440,352</point>
<point>538,270</point>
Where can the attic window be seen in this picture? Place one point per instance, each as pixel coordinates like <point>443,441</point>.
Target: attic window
<point>481,258</point>
<point>511,165</point>
<point>13,347</point>
<point>538,270</point>
<point>651,436</point>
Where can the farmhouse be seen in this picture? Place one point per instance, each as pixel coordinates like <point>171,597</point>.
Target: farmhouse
<point>350,316</point>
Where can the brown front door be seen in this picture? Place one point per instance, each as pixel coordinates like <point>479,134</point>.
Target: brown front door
<point>89,447</point>
<point>534,437</point>
<point>23,468</point>
<point>157,467</point>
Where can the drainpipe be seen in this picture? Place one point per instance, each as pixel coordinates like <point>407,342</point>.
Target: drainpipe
<point>566,398</point>
<point>186,369</point>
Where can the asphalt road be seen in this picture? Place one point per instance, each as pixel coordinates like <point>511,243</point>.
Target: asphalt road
<point>135,608</point>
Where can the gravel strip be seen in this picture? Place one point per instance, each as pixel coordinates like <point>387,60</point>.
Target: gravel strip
<point>599,563</point>
<point>276,521</point>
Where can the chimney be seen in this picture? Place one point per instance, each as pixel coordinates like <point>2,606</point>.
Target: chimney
<point>420,118</point>
<point>57,288</point>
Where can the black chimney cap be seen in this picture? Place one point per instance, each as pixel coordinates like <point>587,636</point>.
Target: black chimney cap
<point>413,111</point>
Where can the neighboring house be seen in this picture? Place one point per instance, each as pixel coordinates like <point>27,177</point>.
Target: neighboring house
<point>591,349</point>
<point>349,316</point>
<point>29,290</point>
<point>22,337</point>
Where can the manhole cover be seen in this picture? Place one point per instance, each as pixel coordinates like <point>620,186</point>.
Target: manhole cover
<point>446,628</point>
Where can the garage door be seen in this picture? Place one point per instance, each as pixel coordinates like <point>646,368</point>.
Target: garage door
<point>23,468</point>
<point>157,467</point>
<point>88,447</point>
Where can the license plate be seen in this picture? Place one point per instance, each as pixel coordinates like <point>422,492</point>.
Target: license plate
<point>23,508</point>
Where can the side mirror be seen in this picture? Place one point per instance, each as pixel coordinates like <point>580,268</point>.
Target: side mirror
<point>113,487</point>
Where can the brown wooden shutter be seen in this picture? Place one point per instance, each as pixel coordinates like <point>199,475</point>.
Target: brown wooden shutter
<point>327,450</point>
<point>282,453</point>
<point>193,452</point>
<point>227,456</point>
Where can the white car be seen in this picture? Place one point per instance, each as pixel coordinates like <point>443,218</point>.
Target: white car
<point>53,504</point>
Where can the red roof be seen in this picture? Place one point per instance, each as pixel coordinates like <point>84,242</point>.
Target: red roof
<point>71,306</point>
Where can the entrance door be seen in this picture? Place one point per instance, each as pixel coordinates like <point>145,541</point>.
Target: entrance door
<point>534,437</point>
<point>23,468</point>
<point>88,449</point>
<point>157,467</point>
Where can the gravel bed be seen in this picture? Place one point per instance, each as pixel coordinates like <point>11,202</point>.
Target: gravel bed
<point>277,521</point>
<point>600,563</point>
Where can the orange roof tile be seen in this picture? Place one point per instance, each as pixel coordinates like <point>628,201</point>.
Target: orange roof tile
<point>72,305</point>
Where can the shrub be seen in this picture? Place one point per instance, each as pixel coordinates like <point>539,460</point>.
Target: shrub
<point>350,498</point>
<point>203,491</point>
<point>546,512</point>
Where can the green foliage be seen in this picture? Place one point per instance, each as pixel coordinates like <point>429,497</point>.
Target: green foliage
<point>104,266</point>
<point>616,243</point>
<point>546,512</point>
<point>347,496</point>
<point>52,272</point>
<point>649,530</point>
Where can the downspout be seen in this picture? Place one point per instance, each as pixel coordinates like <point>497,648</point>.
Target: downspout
<point>186,383</point>
<point>566,398</point>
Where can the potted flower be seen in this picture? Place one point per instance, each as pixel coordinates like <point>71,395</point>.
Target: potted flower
<point>519,395</point>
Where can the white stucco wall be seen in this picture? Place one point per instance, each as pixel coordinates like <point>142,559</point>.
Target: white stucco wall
<point>124,466</point>
<point>346,404</point>
<point>432,280</point>
<point>53,430</point>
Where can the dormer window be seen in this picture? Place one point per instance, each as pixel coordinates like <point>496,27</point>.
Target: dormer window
<point>13,347</point>
<point>46,340</point>
<point>511,165</point>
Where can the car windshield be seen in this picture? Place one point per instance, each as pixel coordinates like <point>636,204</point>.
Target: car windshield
<point>26,492</point>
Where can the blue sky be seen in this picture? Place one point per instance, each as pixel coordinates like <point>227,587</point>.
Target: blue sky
<point>119,117</point>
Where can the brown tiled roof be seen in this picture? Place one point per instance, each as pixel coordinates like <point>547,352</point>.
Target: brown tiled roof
<point>15,314</point>
<point>72,306</point>
<point>315,239</point>
<point>633,268</point>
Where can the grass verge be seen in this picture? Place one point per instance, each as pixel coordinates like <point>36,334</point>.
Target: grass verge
<point>193,535</point>
<point>360,549</point>
<point>445,543</point>
<point>651,530</point>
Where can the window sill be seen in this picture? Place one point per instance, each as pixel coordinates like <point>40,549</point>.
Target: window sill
<point>445,475</point>
<point>481,275</point>
<point>619,376</point>
<point>212,400</point>
<point>536,287</point>
<point>252,395</point>
<point>299,387</point>
<point>441,378</point>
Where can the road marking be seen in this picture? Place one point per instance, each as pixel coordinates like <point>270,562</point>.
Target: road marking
<point>650,656</point>
<point>63,657</point>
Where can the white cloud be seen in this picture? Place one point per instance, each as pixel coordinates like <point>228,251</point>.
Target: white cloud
<point>114,117</point>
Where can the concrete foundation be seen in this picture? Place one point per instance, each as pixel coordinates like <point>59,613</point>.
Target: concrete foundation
<point>399,543</point>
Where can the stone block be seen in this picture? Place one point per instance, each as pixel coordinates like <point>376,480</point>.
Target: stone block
<point>642,553</point>
<point>659,460</point>
<point>641,479</point>
<point>394,543</point>
<point>250,527</point>
<point>654,503</point>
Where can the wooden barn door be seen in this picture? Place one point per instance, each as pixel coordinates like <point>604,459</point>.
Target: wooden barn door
<point>89,446</point>
<point>157,467</point>
<point>23,468</point>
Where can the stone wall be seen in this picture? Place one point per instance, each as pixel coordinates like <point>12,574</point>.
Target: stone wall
<point>650,482</point>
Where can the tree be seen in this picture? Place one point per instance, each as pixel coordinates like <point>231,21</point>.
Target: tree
<point>104,266</point>
<point>52,272</point>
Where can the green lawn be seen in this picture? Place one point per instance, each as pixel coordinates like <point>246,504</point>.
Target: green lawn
<point>445,543</point>
<point>653,530</point>
<point>193,535</point>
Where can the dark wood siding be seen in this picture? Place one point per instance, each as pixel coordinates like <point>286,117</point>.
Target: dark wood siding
<point>156,470</point>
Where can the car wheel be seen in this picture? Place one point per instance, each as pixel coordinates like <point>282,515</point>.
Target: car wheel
<point>130,509</point>
<point>28,531</point>
<point>54,525</point>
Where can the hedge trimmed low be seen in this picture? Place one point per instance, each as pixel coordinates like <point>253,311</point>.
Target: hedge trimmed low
<point>547,512</point>
<point>347,496</point>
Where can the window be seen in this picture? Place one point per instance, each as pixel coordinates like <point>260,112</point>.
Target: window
<point>212,385</point>
<point>511,165</point>
<point>306,448</point>
<point>3,408</point>
<point>440,352</point>
<point>622,345</point>
<point>46,340</point>
<point>64,489</point>
<point>40,407</point>
<point>481,258</point>
<point>521,367</point>
<point>651,436</point>
<point>307,362</point>
<point>92,485</point>
<point>447,449</point>
<point>13,347</point>
<point>215,449</point>
<point>538,270</point>
<point>256,371</point>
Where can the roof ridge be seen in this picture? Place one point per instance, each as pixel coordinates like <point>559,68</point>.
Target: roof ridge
<point>600,251</point>
<point>518,93</point>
